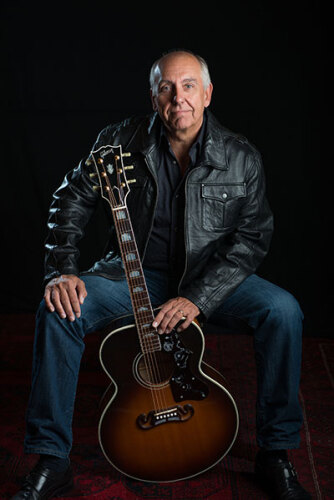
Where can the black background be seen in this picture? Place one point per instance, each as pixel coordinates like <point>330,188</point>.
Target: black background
<point>71,68</point>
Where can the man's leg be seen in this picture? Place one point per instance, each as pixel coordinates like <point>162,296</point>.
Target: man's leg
<point>276,320</point>
<point>58,348</point>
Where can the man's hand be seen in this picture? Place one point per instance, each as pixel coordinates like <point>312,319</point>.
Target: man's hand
<point>65,294</point>
<point>172,312</point>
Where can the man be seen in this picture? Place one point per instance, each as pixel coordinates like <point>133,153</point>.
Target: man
<point>203,226</point>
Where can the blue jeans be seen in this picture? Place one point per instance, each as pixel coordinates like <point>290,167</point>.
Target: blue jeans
<point>272,313</point>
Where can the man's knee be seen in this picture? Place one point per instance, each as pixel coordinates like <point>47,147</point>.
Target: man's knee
<point>284,306</point>
<point>51,324</point>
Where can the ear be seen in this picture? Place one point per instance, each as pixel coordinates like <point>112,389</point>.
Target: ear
<point>207,95</point>
<point>153,98</point>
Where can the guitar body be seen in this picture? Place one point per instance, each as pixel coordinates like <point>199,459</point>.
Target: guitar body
<point>164,426</point>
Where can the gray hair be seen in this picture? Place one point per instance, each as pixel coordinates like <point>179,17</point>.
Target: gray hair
<point>155,69</point>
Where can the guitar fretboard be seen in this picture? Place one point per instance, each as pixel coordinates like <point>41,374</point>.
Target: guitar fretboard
<point>141,303</point>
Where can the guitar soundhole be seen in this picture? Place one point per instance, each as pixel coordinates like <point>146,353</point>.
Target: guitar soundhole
<point>153,369</point>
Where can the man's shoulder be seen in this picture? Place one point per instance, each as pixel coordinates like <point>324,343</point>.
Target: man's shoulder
<point>122,131</point>
<point>231,139</point>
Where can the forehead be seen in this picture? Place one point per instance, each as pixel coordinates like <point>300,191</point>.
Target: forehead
<point>179,67</point>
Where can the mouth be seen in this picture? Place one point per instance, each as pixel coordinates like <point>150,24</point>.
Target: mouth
<point>180,111</point>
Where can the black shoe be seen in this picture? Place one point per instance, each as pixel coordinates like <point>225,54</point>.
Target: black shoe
<point>43,483</point>
<point>279,476</point>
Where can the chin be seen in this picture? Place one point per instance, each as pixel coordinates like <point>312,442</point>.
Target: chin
<point>182,124</point>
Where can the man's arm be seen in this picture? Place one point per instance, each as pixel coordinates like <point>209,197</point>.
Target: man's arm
<point>237,257</point>
<point>73,204</point>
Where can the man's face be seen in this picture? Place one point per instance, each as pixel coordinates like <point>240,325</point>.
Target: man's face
<point>179,95</point>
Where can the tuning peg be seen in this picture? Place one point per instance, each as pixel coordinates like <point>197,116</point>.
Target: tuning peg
<point>92,174</point>
<point>100,160</point>
<point>88,162</point>
<point>126,154</point>
<point>129,167</point>
<point>96,188</point>
<point>131,180</point>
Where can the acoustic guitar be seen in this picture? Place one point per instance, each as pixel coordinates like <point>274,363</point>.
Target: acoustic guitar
<point>166,415</point>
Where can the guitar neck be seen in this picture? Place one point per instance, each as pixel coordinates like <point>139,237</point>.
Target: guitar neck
<point>141,303</point>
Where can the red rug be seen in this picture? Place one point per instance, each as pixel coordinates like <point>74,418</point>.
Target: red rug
<point>233,478</point>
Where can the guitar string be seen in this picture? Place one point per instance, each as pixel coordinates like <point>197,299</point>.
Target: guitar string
<point>143,300</point>
<point>152,367</point>
<point>124,252</point>
<point>148,346</point>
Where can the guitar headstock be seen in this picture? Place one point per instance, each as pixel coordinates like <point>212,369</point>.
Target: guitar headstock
<point>110,171</point>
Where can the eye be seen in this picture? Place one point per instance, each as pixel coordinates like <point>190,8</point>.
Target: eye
<point>164,88</point>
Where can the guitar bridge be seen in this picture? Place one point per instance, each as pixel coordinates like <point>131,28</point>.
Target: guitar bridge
<point>178,413</point>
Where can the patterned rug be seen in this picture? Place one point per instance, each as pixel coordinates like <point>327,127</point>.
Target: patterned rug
<point>233,478</point>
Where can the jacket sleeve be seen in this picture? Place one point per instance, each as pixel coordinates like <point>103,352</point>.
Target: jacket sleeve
<point>237,255</point>
<point>73,204</point>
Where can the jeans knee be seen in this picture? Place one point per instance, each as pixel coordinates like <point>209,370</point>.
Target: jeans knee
<point>49,325</point>
<point>285,305</point>
<point>45,317</point>
<point>285,317</point>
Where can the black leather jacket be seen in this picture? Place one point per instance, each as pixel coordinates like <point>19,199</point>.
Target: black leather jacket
<point>227,220</point>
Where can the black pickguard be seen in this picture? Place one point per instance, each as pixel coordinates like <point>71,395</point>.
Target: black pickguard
<point>183,383</point>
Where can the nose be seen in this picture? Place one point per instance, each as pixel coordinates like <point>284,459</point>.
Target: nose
<point>178,97</point>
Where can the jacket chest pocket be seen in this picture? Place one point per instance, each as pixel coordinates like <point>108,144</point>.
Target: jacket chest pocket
<point>221,204</point>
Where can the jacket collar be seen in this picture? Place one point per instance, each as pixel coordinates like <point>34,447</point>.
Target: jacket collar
<point>146,139</point>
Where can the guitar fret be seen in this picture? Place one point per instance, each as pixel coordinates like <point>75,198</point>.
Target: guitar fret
<point>121,214</point>
<point>130,256</point>
<point>145,320</point>
<point>126,237</point>
<point>134,274</point>
<point>138,282</point>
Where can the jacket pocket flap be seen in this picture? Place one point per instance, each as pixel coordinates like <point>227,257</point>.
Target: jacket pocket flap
<point>224,192</point>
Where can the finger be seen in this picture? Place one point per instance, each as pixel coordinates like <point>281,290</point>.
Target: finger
<point>171,318</point>
<point>161,314</point>
<point>174,320</point>
<point>47,298</point>
<point>57,303</point>
<point>81,290</point>
<point>165,320</point>
<point>74,301</point>
<point>66,303</point>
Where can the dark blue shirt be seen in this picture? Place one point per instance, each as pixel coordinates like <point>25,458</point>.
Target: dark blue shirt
<point>165,249</point>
